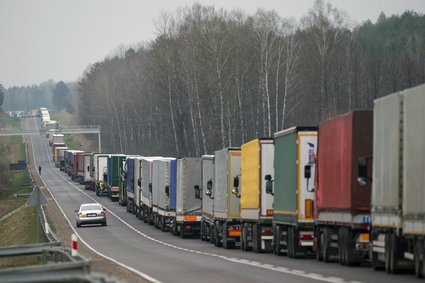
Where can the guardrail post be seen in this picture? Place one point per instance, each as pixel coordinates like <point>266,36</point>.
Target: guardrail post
<point>74,245</point>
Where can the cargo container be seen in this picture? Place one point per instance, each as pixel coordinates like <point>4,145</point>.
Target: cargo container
<point>128,197</point>
<point>145,193</point>
<point>56,155</point>
<point>80,168</point>
<point>62,159</point>
<point>256,206</point>
<point>134,204</point>
<point>293,190</point>
<point>226,229</point>
<point>203,191</point>
<point>114,175</point>
<point>342,207</point>
<point>55,145</point>
<point>88,163</point>
<point>100,173</point>
<point>166,187</point>
<point>69,162</point>
<point>188,208</point>
<point>58,138</point>
<point>398,180</point>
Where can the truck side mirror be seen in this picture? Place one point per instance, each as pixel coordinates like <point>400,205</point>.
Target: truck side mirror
<point>88,168</point>
<point>139,182</point>
<point>236,182</point>
<point>269,184</point>
<point>209,189</point>
<point>362,171</point>
<point>307,171</point>
<point>150,187</point>
<point>167,191</point>
<point>197,192</point>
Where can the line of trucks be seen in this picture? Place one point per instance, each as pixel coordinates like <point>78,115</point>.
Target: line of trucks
<point>351,190</point>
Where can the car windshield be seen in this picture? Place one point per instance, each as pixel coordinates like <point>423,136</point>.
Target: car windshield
<point>91,207</point>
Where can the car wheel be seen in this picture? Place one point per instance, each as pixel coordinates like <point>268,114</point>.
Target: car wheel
<point>104,223</point>
<point>78,224</point>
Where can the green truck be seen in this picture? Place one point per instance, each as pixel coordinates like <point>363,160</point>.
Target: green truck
<point>114,176</point>
<point>294,170</point>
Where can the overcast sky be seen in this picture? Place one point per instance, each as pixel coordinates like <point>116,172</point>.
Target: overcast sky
<point>58,39</point>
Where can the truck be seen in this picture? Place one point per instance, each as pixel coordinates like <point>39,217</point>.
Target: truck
<point>81,167</point>
<point>188,208</point>
<point>127,197</point>
<point>256,205</point>
<point>56,155</point>
<point>99,172</point>
<point>114,175</point>
<point>164,192</point>
<point>145,192</point>
<point>62,159</point>
<point>88,163</point>
<point>58,138</point>
<point>226,227</point>
<point>293,191</point>
<point>398,231</point>
<point>203,191</point>
<point>342,206</point>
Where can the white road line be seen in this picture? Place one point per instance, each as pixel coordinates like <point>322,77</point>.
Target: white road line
<point>295,272</point>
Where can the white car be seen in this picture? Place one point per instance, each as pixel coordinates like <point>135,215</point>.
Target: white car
<point>90,213</point>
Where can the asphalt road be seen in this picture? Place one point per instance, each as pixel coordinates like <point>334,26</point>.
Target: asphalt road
<point>168,258</point>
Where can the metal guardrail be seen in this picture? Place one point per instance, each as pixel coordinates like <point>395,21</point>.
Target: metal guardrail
<point>57,265</point>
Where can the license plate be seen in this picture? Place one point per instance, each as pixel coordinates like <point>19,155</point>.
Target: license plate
<point>91,214</point>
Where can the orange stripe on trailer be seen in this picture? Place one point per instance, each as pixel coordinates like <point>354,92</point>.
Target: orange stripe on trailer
<point>364,238</point>
<point>308,208</point>
<point>234,233</point>
<point>190,218</point>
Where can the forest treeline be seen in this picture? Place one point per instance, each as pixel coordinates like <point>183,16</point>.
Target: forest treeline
<point>54,96</point>
<point>215,78</point>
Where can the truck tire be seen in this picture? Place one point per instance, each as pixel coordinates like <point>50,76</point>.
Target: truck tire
<point>182,232</point>
<point>224,236</point>
<point>256,238</point>
<point>418,261</point>
<point>392,253</point>
<point>217,241</point>
<point>341,246</point>
<point>211,233</point>
<point>277,235</point>
<point>203,230</point>
<point>325,244</point>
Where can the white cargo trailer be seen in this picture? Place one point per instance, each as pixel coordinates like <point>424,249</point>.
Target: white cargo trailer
<point>204,192</point>
<point>188,208</point>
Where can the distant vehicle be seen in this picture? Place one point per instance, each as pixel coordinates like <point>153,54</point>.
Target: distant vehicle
<point>90,213</point>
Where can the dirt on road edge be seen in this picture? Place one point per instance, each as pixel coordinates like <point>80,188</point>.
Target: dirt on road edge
<point>64,231</point>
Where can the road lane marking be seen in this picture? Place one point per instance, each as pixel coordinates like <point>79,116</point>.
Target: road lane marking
<point>280,269</point>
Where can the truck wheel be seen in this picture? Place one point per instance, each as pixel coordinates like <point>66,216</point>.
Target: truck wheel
<point>211,234</point>
<point>418,262</point>
<point>341,245</point>
<point>289,241</point>
<point>224,235</point>
<point>217,241</point>
<point>325,244</point>
<point>163,228</point>
<point>277,235</point>
<point>202,230</point>
<point>256,238</point>
<point>182,232</point>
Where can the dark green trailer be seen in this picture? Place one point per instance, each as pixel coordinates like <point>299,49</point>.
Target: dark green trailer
<point>114,179</point>
<point>294,169</point>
